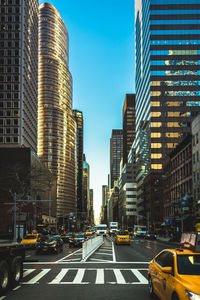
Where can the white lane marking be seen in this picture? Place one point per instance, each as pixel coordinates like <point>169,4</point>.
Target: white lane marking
<point>3,297</point>
<point>59,277</point>
<point>148,247</point>
<point>17,287</point>
<point>100,260</point>
<point>37,277</point>
<point>140,277</point>
<point>28,255</point>
<point>68,255</point>
<point>79,277</point>
<point>102,253</point>
<point>113,250</point>
<point>119,277</point>
<point>61,262</point>
<point>27,272</point>
<point>73,259</point>
<point>100,276</point>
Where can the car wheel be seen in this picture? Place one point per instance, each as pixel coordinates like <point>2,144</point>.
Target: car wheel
<point>150,285</point>
<point>16,271</point>
<point>175,297</point>
<point>4,277</point>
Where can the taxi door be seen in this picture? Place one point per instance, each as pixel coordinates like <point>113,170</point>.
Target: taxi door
<point>157,274</point>
<point>164,282</point>
<point>167,281</point>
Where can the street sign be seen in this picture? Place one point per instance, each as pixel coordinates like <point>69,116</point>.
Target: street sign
<point>189,240</point>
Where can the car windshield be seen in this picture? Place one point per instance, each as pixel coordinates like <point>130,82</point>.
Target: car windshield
<point>188,264</point>
<point>101,227</point>
<point>123,233</point>
<point>30,237</point>
<point>79,235</point>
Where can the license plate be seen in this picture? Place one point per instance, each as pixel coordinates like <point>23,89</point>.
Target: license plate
<point>44,249</point>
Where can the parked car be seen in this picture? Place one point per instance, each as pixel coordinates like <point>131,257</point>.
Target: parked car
<point>53,244</point>
<point>31,240</point>
<point>77,240</point>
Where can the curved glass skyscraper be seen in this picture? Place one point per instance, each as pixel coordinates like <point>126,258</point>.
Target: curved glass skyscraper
<point>56,125</point>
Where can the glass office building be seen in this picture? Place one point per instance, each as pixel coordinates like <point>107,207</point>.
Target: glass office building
<point>167,37</point>
<point>167,48</point>
<point>78,116</point>
<point>18,73</point>
<point>116,154</point>
<point>56,124</point>
<point>128,114</point>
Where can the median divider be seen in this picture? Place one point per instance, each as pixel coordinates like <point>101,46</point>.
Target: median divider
<point>90,246</point>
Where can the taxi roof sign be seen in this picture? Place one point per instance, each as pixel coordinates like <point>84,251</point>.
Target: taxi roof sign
<point>189,240</point>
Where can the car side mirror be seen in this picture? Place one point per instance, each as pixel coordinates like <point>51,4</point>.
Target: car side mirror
<point>167,270</point>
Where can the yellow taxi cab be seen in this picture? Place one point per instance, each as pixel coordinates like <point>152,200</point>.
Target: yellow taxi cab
<point>89,233</point>
<point>31,240</point>
<point>122,237</point>
<point>174,274</point>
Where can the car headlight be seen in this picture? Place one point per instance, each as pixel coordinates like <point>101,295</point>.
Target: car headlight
<point>54,245</point>
<point>192,296</point>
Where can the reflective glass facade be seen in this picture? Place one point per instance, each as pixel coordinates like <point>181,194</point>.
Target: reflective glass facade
<point>167,38</point>
<point>78,116</point>
<point>56,124</point>
<point>128,114</point>
<point>116,154</point>
<point>18,73</point>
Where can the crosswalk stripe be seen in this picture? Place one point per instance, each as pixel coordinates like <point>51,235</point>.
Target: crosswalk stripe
<point>37,277</point>
<point>100,276</point>
<point>119,277</point>
<point>59,277</point>
<point>140,277</point>
<point>27,272</point>
<point>79,277</point>
<point>80,272</point>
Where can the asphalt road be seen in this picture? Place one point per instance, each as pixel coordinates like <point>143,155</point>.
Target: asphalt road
<point>111,273</point>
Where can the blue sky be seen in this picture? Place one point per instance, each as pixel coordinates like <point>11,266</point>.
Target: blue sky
<point>101,61</point>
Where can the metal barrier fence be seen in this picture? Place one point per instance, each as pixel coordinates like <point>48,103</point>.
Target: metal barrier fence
<point>90,246</point>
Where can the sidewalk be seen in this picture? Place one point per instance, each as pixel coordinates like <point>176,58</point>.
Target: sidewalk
<point>166,240</point>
